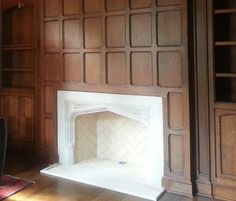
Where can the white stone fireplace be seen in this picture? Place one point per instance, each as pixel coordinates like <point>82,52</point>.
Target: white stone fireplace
<point>111,141</point>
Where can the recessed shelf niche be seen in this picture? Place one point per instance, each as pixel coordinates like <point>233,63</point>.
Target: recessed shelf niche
<point>18,44</point>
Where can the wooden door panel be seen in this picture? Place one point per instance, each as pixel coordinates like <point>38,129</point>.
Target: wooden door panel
<point>71,7</point>
<point>9,111</point>
<point>169,28</point>
<point>26,118</point>
<point>52,8</point>
<point>114,5</point>
<point>226,144</point>
<point>140,4</point>
<point>168,2</point>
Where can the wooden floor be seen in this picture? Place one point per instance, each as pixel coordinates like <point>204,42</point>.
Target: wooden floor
<point>54,189</point>
<point>174,197</point>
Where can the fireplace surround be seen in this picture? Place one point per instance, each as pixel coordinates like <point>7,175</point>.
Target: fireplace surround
<point>145,111</point>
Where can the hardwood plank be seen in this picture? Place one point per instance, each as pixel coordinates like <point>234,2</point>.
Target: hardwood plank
<point>55,189</point>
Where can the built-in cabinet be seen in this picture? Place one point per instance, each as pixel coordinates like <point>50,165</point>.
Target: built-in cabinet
<point>19,110</point>
<point>18,68</point>
<point>215,75</point>
<point>224,38</point>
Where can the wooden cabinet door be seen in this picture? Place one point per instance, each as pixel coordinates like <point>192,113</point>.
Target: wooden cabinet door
<point>9,105</point>
<point>225,147</point>
<point>26,118</point>
<point>19,111</point>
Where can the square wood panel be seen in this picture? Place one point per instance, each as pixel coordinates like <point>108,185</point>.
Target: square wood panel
<point>114,5</point>
<point>26,123</point>
<point>92,6</point>
<point>93,33</point>
<point>71,7</point>
<point>49,100</point>
<point>176,111</point>
<point>141,68</point>
<point>176,144</point>
<point>115,38</point>
<point>9,109</point>
<point>52,34</point>
<point>52,67</point>
<point>140,4</point>
<point>116,68</point>
<point>93,68</point>
<point>226,142</point>
<point>71,34</point>
<point>52,8</point>
<point>169,28</point>
<point>167,2</point>
<point>141,30</point>
<point>170,69</point>
<point>50,133</point>
<point>72,68</point>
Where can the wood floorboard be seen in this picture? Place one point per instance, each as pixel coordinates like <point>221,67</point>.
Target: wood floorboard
<point>174,197</point>
<point>55,189</point>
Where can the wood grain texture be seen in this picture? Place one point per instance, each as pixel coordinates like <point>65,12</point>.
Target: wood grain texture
<point>176,118</point>
<point>52,8</point>
<point>175,197</point>
<point>71,7</point>
<point>71,34</point>
<point>170,69</point>
<point>135,4</point>
<point>49,100</point>
<point>19,69</point>
<point>9,110</point>
<point>92,6</point>
<point>18,109</point>
<point>142,68</point>
<point>168,2</point>
<point>116,38</point>
<point>202,101</point>
<point>72,68</point>
<point>114,5</point>
<point>169,28</point>
<point>52,37</point>
<point>51,188</point>
<point>13,18</point>
<point>225,138</point>
<point>141,34</point>
<point>26,118</point>
<point>93,68</point>
<point>93,33</point>
<point>117,68</point>
<point>126,47</point>
<point>52,67</point>
<point>49,130</point>
<point>221,100</point>
<point>176,154</point>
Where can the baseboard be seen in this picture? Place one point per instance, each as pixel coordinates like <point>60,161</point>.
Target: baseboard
<point>178,187</point>
<point>224,193</point>
<point>204,189</point>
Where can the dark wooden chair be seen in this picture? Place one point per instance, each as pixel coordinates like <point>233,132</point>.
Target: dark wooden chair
<point>3,144</point>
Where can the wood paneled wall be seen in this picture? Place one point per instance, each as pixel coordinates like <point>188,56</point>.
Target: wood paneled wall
<point>204,186</point>
<point>127,47</point>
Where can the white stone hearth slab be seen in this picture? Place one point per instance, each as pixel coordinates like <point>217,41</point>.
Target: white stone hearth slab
<point>107,174</point>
